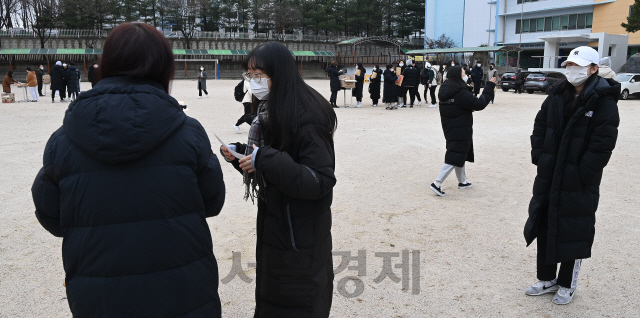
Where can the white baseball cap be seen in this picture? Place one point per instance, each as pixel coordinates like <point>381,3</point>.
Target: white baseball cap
<point>583,56</point>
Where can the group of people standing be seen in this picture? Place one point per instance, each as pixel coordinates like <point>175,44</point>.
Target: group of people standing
<point>33,79</point>
<point>65,78</point>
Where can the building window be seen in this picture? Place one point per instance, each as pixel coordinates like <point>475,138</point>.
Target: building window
<point>582,21</point>
<point>555,25</point>
<point>520,1</point>
<point>573,19</point>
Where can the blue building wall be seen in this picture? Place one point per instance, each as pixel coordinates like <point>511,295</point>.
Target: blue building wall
<point>449,19</point>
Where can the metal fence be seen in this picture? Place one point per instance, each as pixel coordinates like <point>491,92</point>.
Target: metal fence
<point>69,33</point>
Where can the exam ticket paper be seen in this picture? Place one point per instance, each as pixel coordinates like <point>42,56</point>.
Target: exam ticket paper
<point>235,154</point>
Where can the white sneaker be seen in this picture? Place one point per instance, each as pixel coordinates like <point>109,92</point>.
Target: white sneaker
<point>207,95</point>
<point>374,105</point>
<point>433,106</point>
<point>563,296</point>
<point>419,103</point>
<point>237,129</point>
<point>199,97</point>
<point>542,287</point>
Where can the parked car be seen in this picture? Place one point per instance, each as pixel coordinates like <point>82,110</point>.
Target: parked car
<point>541,81</point>
<point>508,80</point>
<point>630,83</point>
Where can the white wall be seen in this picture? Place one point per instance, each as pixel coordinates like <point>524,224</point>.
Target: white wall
<point>479,17</point>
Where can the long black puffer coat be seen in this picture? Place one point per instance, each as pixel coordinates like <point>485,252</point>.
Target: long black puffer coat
<point>570,165</point>
<point>457,105</point>
<point>390,87</point>
<point>374,84</point>
<point>334,78</point>
<point>73,79</point>
<point>357,92</point>
<point>128,181</point>
<point>294,271</point>
<point>58,78</point>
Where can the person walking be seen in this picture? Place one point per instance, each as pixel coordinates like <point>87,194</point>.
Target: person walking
<point>93,75</point>
<point>374,85</point>
<point>32,82</point>
<point>40,72</point>
<point>202,82</point>
<point>605,70</point>
<point>457,105</point>
<point>574,134</point>
<point>58,79</point>
<point>477,74</point>
<point>518,82</point>
<point>493,73</point>
<point>357,92</point>
<point>390,96</point>
<point>248,102</point>
<point>289,168</point>
<point>8,80</point>
<point>334,81</point>
<point>431,84</point>
<point>411,82</point>
<point>73,81</point>
<point>128,181</point>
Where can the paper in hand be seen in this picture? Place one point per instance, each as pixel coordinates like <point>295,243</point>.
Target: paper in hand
<point>235,154</point>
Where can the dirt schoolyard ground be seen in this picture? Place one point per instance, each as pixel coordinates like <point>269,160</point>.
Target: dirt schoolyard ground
<point>413,254</point>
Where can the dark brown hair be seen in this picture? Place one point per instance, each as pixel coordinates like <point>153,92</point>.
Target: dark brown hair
<point>137,50</point>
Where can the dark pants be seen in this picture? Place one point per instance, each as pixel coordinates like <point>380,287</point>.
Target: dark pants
<point>73,95</point>
<point>415,93</point>
<point>200,89</point>
<point>476,88</point>
<point>432,92</point>
<point>568,274</point>
<point>334,97</point>
<point>518,89</point>
<point>62,94</point>
<point>375,101</point>
<point>40,87</point>
<point>248,116</point>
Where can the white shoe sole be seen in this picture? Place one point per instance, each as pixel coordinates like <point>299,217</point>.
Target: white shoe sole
<point>437,192</point>
<point>466,187</point>
<point>545,291</point>
<point>237,129</point>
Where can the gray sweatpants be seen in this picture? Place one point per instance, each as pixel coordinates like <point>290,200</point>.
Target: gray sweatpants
<point>446,170</point>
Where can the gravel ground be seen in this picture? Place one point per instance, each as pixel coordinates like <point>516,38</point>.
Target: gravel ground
<point>458,256</point>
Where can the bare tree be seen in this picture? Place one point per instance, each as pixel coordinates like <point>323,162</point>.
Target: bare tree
<point>443,42</point>
<point>42,18</point>
<point>183,14</point>
<point>7,10</point>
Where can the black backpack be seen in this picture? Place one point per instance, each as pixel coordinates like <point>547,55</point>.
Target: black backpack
<point>239,92</point>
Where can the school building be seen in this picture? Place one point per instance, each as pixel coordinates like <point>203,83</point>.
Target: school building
<point>546,30</point>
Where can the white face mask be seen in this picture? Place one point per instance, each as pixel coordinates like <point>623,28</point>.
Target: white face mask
<point>374,69</point>
<point>260,90</point>
<point>465,78</point>
<point>202,69</point>
<point>401,64</point>
<point>577,75</point>
<point>64,65</point>
<point>453,64</point>
<point>479,65</point>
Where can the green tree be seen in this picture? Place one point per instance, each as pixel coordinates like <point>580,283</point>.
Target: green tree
<point>633,20</point>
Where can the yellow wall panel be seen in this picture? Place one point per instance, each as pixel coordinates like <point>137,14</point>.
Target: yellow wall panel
<point>608,17</point>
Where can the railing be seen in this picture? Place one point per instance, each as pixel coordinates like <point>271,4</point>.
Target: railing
<point>55,33</point>
<point>68,33</point>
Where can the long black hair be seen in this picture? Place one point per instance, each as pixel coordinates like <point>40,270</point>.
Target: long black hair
<point>454,76</point>
<point>289,96</point>
<point>360,67</point>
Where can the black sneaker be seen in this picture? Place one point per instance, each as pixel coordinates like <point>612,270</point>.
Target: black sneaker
<point>335,106</point>
<point>410,106</point>
<point>437,190</point>
<point>465,185</point>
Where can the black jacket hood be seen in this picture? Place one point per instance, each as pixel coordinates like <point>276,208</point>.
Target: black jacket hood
<point>448,90</point>
<point>122,119</point>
